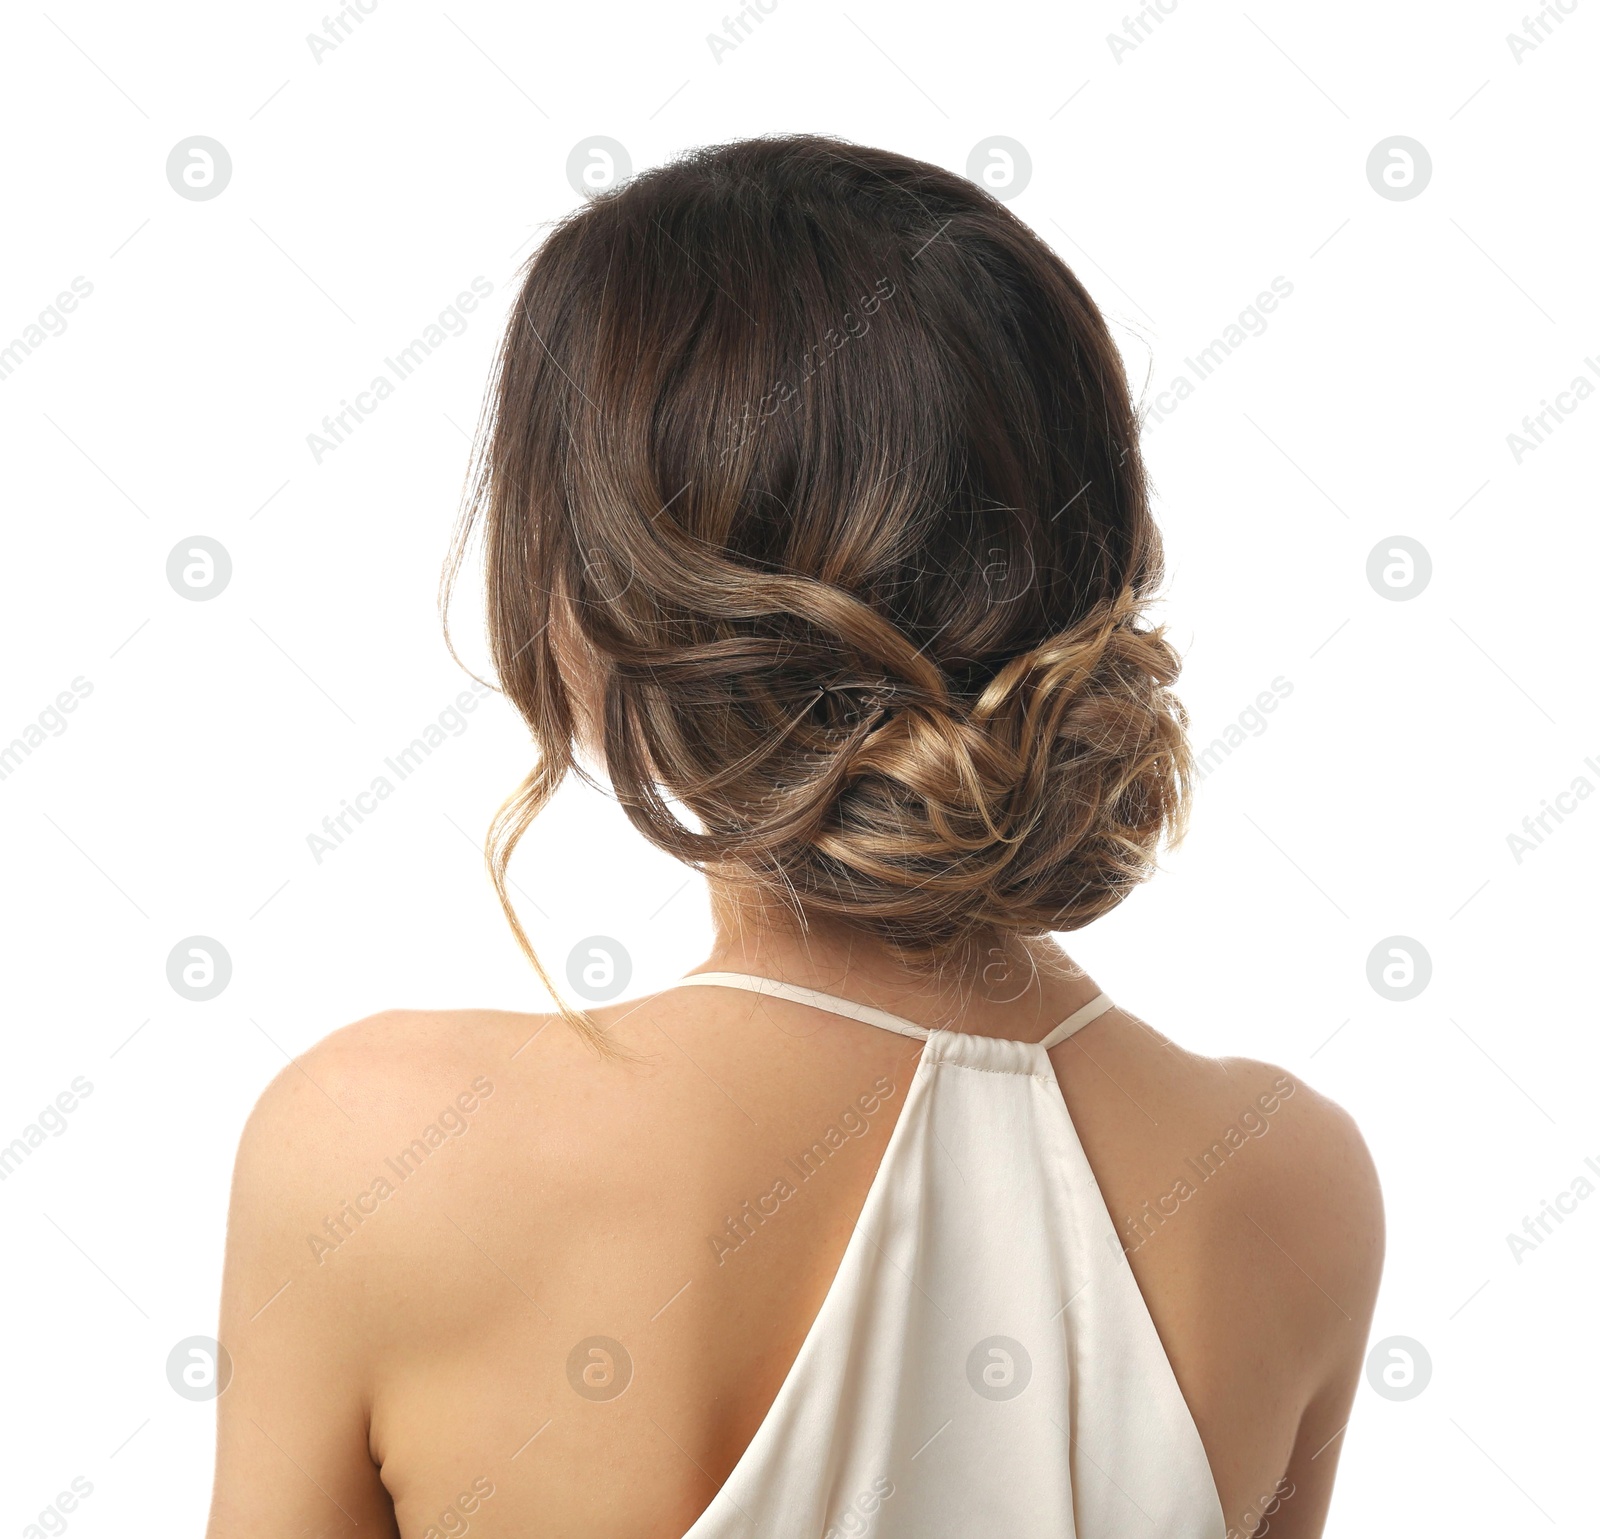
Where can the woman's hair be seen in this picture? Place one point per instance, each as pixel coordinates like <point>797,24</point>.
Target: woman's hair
<point>826,466</point>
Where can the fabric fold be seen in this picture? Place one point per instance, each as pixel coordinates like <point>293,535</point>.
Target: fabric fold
<point>983,1362</point>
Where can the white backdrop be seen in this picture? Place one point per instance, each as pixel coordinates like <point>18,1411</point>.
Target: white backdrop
<point>360,180</point>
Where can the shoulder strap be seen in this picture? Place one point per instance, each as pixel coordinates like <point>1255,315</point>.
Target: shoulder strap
<point>848,1008</point>
<point>870,1015</point>
<point>1077,1021</point>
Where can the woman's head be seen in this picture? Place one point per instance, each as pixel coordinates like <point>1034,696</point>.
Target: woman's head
<point>815,472</point>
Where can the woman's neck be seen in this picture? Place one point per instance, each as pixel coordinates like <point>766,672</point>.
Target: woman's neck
<point>999,987</point>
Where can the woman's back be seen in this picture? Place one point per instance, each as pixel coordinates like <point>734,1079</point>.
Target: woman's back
<point>814,524</point>
<point>585,1293</point>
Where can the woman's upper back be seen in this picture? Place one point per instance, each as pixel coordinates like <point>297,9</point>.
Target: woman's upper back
<point>505,1265</point>
<point>814,516</point>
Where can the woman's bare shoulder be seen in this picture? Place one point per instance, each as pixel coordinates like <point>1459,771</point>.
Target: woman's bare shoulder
<point>360,1223</point>
<point>346,1124</point>
<point>370,1103</point>
<point>1249,1142</point>
<point>368,1174</point>
<point>1249,1208</point>
<point>386,1065</point>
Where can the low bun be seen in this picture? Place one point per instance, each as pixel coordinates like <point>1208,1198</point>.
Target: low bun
<point>826,466</point>
<point>929,819</point>
<point>1037,808</point>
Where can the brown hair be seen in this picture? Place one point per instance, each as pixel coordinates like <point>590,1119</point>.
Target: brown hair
<point>829,464</point>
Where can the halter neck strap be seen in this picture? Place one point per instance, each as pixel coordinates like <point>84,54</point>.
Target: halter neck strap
<point>869,1014</point>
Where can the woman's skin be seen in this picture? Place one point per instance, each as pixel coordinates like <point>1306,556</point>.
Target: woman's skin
<point>406,1369</point>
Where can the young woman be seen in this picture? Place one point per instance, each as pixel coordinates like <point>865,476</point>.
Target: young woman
<point>814,523</point>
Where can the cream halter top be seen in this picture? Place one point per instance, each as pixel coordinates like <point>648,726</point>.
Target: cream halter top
<point>983,1362</point>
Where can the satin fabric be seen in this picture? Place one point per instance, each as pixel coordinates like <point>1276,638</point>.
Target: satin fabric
<point>983,1363</point>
